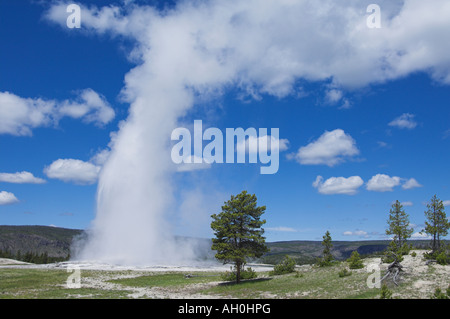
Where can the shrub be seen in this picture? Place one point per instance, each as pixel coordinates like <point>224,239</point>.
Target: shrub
<point>285,267</point>
<point>355,261</point>
<point>442,258</point>
<point>385,293</point>
<point>438,294</point>
<point>413,254</point>
<point>249,273</point>
<point>344,273</point>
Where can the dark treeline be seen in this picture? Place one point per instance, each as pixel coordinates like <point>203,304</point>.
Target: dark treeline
<point>32,257</point>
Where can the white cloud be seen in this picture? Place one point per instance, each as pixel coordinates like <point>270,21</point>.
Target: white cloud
<point>382,144</point>
<point>21,178</point>
<point>404,121</point>
<point>331,148</point>
<point>383,183</point>
<point>101,157</point>
<point>90,107</point>
<point>446,203</point>
<point>407,204</point>
<point>267,46</point>
<point>338,185</point>
<point>73,170</point>
<point>418,235</point>
<point>334,96</point>
<point>386,183</point>
<point>360,233</point>
<point>411,183</point>
<point>19,116</point>
<point>7,198</point>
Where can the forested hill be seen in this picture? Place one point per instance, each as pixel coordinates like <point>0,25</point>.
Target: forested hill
<point>53,242</point>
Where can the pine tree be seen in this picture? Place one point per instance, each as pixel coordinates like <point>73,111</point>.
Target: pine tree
<point>436,224</point>
<point>398,226</point>
<point>238,231</point>
<point>327,257</point>
<point>355,261</point>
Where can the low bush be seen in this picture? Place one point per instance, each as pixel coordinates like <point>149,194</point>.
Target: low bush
<point>344,273</point>
<point>249,273</point>
<point>438,294</point>
<point>442,258</point>
<point>285,267</point>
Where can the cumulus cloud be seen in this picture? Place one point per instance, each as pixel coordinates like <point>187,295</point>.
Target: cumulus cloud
<point>73,170</point>
<point>19,116</point>
<point>331,148</point>
<point>411,183</point>
<point>404,121</point>
<point>383,183</point>
<point>20,178</point>
<point>7,198</point>
<point>338,185</point>
<point>446,203</point>
<point>386,183</point>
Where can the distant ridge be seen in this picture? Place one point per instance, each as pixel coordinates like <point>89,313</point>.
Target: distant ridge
<point>56,242</point>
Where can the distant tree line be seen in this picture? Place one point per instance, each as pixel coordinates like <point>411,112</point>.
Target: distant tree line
<point>32,257</point>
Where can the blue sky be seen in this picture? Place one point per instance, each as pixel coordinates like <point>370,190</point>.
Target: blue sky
<point>390,132</point>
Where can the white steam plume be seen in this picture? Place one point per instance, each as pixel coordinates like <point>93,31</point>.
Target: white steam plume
<point>259,47</point>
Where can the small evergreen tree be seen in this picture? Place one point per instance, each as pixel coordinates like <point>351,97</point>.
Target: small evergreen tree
<point>398,227</point>
<point>437,224</point>
<point>238,231</point>
<point>327,257</point>
<point>385,293</point>
<point>355,261</point>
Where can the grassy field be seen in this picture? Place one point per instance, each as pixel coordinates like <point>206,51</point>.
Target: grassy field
<point>309,282</point>
<point>318,283</point>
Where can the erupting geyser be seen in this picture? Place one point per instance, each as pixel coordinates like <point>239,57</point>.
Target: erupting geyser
<point>202,48</point>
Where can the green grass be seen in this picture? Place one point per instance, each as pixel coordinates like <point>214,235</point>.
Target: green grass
<point>322,283</point>
<point>316,283</point>
<point>45,284</point>
<point>312,283</point>
<point>167,279</point>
